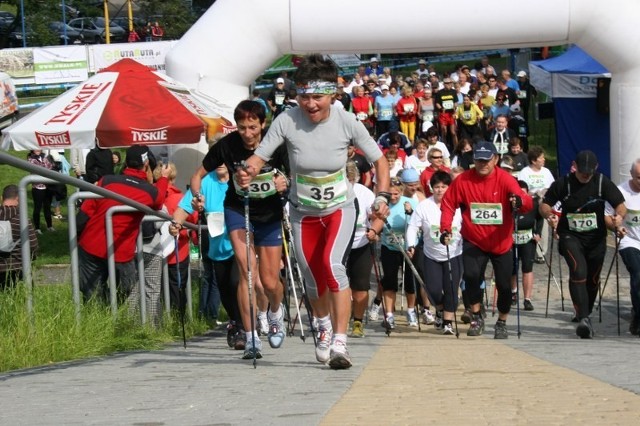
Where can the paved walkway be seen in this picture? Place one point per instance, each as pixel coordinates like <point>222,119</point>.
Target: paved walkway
<point>548,376</point>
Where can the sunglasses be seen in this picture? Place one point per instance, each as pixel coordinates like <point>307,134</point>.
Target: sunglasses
<point>436,157</point>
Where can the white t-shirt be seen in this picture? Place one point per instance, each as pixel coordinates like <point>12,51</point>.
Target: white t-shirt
<point>365,199</point>
<point>631,220</point>
<point>427,217</point>
<point>536,180</point>
<point>413,162</point>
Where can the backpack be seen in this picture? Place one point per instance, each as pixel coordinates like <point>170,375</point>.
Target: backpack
<point>6,237</point>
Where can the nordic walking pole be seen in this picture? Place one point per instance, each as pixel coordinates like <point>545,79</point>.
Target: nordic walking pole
<point>546,309</point>
<point>604,287</point>
<point>560,276</point>
<point>387,329</point>
<point>453,292</point>
<point>295,270</point>
<point>247,240</point>
<point>516,262</point>
<point>292,284</point>
<point>180,305</point>
<point>617,278</point>
<point>407,215</point>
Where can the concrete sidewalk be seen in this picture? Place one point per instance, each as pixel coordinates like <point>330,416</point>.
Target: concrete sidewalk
<point>548,376</point>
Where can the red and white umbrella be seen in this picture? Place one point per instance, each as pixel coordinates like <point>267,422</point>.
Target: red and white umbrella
<point>124,104</point>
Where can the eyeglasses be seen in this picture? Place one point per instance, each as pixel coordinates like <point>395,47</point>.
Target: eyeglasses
<point>435,157</point>
<point>395,181</point>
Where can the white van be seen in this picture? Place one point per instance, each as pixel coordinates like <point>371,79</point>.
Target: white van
<point>8,101</point>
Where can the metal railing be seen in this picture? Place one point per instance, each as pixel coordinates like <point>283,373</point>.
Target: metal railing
<point>42,175</point>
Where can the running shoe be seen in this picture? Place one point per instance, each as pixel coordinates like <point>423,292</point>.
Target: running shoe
<point>358,329</point>
<point>476,327</point>
<point>633,324</point>
<point>584,330</point>
<point>324,343</point>
<point>514,298</point>
<point>374,311</point>
<point>427,317</point>
<point>412,318</point>
<point>447,329</point>
<point>231,334</point>
<point>51,229</point>
<point>276,329</point>
<point>249,349</point>
<point>38,231</point>
<point>339,357</point>
<point>438,322</point>
<point>239,340</point>
<point>466,317</point>
<point>500,330</point>
<point>58,216</point>
<point>390,322</point>
<point>528,306</point>
<point>263,324</point>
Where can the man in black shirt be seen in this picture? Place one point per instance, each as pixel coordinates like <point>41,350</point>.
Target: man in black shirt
<point>582,231</point>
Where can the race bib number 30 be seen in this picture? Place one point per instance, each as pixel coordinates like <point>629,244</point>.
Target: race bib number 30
<point>322,192</point>
<point>262,186</point>
<point>486,213</point>
<point>582,222</point>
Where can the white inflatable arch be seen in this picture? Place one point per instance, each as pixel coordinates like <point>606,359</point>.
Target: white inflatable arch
<point>236,40</point>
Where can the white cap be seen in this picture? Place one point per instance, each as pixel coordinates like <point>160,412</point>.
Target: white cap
<point>374,59</point>
<point>422,62</point>
<point>279,80</point>
<point>522,74</point>
<point>384,87</point>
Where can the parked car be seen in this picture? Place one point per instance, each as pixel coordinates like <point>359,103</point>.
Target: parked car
<point>93,30</point>
<point>66,32</point>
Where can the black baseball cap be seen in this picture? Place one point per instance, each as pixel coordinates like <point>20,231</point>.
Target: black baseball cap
<point>586,162</point>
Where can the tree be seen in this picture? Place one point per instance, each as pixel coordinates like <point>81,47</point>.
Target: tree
<point>173,15</point>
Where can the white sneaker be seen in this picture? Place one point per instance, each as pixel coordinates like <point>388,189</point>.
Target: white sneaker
<point>250,352</point>
<point>263,324</point>
<point>276,330</point>
<point>374,311</point>
<point>447,329</point>
<point>427,317</point>
<point>339,358</point>
<point>412,318</point>
<point>323,350</point>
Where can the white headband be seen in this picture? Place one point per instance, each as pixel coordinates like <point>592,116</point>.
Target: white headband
<point>317,88</point>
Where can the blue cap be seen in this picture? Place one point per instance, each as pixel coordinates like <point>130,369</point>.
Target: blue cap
<point>410,176</point>
<point>484,151</point>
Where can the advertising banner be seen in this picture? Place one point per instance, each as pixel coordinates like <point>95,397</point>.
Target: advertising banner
<point>151,54</point>
<point>60,64</point>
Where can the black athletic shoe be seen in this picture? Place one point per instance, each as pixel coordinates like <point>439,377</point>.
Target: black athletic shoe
<point>500,330</point>
<point>477,325</point>
<point>240,340</point>
<point>539,260</point>
<point>466,317</point>
<point>528,306</point>
<point>633,324</point>
<point>231,333</point>
<point>584,330</point>
<point>514,299</point>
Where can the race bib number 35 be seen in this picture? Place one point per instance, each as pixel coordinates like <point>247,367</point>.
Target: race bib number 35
<point>486,213</point>
<point>582,222</point>
<point>322,192</point>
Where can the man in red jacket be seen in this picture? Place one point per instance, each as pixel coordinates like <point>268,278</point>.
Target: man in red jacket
<point>134,183</point>
<point>487,197</point>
